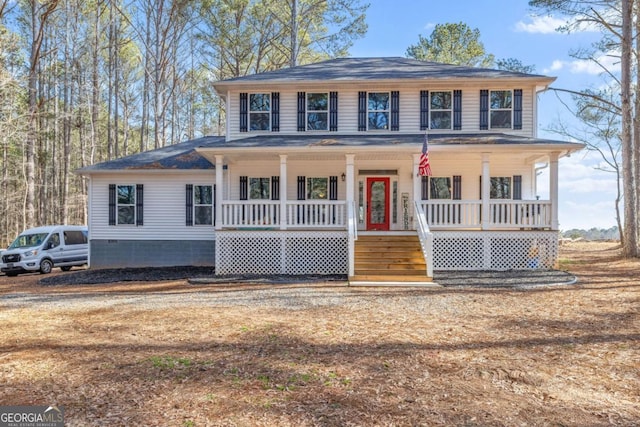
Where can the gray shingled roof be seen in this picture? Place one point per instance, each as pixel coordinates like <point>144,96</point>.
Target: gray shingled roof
<point>183,156</point>
<point>180,156</point>
<point>367,69</point>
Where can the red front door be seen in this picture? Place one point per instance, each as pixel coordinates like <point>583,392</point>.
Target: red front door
<point>378,203</point>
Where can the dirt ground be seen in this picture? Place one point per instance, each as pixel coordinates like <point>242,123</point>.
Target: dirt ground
<point>173,354</point>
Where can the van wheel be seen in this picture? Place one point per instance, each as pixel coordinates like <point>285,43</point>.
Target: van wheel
<point>11,274</point>
<point>65,268</point>
<point>46,266</point>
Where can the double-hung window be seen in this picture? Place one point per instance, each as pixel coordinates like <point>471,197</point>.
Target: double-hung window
<point>317,188</point>
<point>440,188</point>
<point>378,110</point>
<point>203,205</point>
<point>317,111</point>
<point>259,188</point>
<point>259,111</point>
<point>126,204</point>
<point>441,110</point>
<point>501,109</point>
<point>500,187</point>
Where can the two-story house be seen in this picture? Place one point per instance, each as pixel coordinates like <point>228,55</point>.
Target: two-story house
<point>319,174</point>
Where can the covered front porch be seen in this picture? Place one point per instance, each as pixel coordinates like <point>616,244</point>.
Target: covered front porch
<point>378,189</point>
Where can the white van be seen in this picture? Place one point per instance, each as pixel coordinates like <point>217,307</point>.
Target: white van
<point>43,248</point>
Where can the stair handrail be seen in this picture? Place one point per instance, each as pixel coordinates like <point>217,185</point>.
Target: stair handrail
<point>352,230</point>
<point>426,237</point>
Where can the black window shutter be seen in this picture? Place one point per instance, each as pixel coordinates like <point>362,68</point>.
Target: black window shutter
<point>139,204</point>
<point>517,187</point>
<point>244,112</point>
<point>362,111</point>
<point>189,205</point>
<point>112,204</point>
<point>302,110</point>
<point>424,109</point>
<point>275,111</point>
<point>301,187</point>
<point>484,109</point>
<point>517,109</point>
<point>333,188</point>
<point>457,109</point>
<point>424,188</point>
<point>333,111</point>
<point>275,188</point>
<point>395,110</point>
<point>457,187</point>
<point>244,188</point>
<point>480,188</point>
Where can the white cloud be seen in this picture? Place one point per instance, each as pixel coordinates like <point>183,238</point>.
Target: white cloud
<point>610,62</point>
<point>540,25</point>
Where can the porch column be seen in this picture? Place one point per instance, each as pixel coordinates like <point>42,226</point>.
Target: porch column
<point>219,191</point>
<point>350,198</point>
<point>350,178</point>
<point>283,191</point>
<point>486,191</point>
<point>553,189</point>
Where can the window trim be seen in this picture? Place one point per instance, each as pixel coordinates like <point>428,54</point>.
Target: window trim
<point>509,179</point>
<point>310,111</point>
<point>251,112</point>
<point>132,205</point>
<point>492,110</point>
<point>263,185</point>
<point>450,187</point>
<point>438,110</point>
<point>309,187</point>
<point>195,205</point>
<point>387,111</point>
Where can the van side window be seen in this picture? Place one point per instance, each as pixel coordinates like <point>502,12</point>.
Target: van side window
<point>72,237</point>
<point>54,241</point>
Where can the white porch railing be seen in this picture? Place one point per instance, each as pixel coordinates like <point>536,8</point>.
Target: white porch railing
<point>426,238</point>
<point>267,214</point>
<point>352,229</point>
<point>467,214</point>
<point>523,214</point>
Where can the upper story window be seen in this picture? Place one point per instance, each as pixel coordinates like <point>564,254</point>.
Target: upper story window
<point>259,188</point>
<point>441,110</point>
<point>126,204</point>
<point>500,109</point>
<point>259,111</point>
<point>378,109</point>
<point>317,111</point>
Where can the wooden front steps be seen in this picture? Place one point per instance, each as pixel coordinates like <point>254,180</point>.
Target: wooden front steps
<point>389,258</point>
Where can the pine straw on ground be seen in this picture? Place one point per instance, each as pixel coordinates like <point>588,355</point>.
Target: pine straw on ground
<point>173,354</point>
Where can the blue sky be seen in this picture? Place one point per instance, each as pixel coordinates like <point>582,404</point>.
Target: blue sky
<point>511,29</point>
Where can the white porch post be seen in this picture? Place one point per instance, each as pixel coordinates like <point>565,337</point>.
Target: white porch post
<point>350,198</point>
<point>486,193</point>
<point>283,191</point>
<point>350,177</point>
<point>553,189</point>
<point>417,183</point>
<point>219,191</point>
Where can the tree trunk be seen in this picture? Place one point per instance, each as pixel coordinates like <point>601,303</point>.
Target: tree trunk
<point>630,248</point>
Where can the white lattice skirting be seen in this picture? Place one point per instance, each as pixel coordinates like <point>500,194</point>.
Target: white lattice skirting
<point>488,250</point>
<point>281,252</point>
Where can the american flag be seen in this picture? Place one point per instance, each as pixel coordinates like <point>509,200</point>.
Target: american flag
<point>425,168</point>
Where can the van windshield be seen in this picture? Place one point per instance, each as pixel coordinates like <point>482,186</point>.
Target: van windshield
<point>28,240</point>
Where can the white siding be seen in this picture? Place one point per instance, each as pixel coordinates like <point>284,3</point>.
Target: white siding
<point>409,108</point>
<point>164,207</point>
